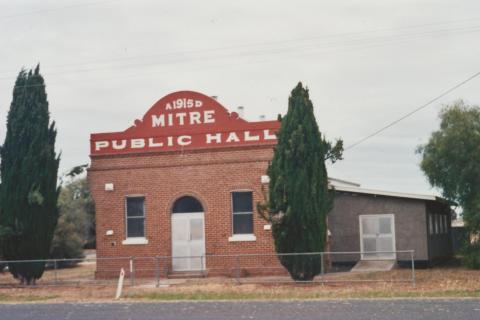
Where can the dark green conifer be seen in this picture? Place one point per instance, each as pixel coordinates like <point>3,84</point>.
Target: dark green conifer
<point>29,165</point>
<point>299,198</point>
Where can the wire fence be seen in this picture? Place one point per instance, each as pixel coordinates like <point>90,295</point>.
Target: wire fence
<point>156,271</point>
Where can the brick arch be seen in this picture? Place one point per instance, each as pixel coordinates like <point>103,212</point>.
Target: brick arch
<point>179,195</point>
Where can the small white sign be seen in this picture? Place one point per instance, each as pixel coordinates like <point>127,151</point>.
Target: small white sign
<point>109,233</point>
<point>108,186</point>
<point>267,227</point>
<point>265,179</point>
<point>120,284</point>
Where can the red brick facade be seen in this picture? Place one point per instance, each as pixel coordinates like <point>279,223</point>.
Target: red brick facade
<point>208,174</point>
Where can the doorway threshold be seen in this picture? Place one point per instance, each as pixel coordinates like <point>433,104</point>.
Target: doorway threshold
<point>187,274</point>
<point>374,265</point>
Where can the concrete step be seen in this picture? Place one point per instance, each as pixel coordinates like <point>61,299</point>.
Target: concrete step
<point>186,275</point>
<point>374,265</point>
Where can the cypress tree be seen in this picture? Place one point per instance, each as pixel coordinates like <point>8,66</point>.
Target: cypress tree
<point>29,165</point>
<point>299,199</point>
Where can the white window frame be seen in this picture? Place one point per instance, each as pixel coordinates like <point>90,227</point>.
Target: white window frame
<point>431,224</point>
<point>134,240</point>
<point>394,237</point>
<point>241,236</point>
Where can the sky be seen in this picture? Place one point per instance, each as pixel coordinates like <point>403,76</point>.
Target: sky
<point>366,63</point>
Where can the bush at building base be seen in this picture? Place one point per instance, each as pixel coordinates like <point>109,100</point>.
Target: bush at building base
<point>76,223</point>
<point>471,255</point>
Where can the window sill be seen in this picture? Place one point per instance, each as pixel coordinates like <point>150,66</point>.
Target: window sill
<point>139,240</point>
<point>242,237</point>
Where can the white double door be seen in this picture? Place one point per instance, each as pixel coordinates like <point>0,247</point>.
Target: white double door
<point>188,241</point>
<point>377,237</point>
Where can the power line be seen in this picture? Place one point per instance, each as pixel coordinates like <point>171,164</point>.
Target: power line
<point>271,47</point>
<point>391,124</point>
<point>270,52</point>
<point>167,66</point>
<point>93,3</point>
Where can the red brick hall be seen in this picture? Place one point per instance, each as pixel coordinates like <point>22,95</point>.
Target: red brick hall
<point>182,182</point>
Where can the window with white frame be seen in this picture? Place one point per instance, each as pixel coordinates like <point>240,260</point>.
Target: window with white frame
<point>439,222</point>
<point>430,224</point>
<point>242,212</point>
<point>437,227</point>
<point>135,216</point>
<point>445,222</point>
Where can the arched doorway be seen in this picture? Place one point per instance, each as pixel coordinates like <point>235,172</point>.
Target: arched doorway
<point>188,235</point>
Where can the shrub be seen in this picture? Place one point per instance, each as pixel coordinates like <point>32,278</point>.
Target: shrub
<point>71,233</point>
<point>471,255</point>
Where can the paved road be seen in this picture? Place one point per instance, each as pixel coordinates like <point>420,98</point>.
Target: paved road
<point>277,310</point>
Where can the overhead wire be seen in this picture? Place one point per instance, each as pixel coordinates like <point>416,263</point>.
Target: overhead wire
<point>281,47</point>
<point>423,106</point>
<point>47,11</point>
<point>353,42</point>
<point>285,51</point>
<point>257,49</point>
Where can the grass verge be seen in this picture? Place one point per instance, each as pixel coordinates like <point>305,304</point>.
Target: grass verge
<point>205,296</point>
<point>26,298</point>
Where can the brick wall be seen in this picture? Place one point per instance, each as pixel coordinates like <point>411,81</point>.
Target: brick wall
<point>208,175</point>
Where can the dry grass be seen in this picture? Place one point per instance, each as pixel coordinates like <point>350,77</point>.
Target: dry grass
<point>79,273</point>
<point>454,282</point>
<point>436,282</point>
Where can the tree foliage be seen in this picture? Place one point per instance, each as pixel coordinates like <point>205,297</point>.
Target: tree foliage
<point>451,162</point>
<point>299,200</point>
<point>28,193</point>
<point>451,159</point>
<point>76,224</point>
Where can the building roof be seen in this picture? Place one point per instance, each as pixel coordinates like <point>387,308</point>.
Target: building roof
<point>353,187</point>
<point>387,193</point>
<point>339,183</point>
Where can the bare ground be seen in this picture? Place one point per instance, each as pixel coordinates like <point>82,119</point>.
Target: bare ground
<point>78,285</point>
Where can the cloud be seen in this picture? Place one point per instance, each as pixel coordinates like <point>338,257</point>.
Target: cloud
<point>366,64</point>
